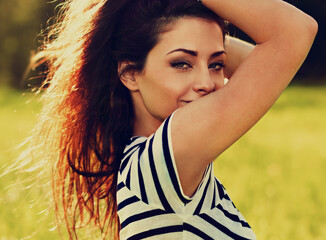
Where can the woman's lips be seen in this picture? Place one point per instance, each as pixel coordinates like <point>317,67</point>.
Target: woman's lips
<point>185,102</point>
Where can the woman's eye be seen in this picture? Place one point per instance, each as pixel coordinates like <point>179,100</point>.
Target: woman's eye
<point>181,65</point>
<point>216,66</point>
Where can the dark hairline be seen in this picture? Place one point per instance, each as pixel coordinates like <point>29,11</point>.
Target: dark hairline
<point>170,21</point>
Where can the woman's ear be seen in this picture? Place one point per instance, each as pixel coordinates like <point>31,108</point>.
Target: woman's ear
<point>127,76</point>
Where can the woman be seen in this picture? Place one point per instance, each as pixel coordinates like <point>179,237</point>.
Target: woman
<point>137,109</point>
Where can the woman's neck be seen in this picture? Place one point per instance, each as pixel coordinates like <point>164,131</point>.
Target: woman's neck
<point>145,124</point>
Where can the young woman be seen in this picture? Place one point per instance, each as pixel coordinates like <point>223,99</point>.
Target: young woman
<point>137,108</point>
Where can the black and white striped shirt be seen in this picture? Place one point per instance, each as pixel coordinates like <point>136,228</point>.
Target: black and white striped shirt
<point>151,204</point>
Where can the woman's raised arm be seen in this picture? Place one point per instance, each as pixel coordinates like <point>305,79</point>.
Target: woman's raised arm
<point>203,129</point>
<point>237,51</point>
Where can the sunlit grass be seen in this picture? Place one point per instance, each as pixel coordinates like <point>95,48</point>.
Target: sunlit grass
<point>24,206</point>
<point>275,174</point>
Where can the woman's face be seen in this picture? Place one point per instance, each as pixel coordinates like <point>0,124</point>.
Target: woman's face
<point>186,64</point>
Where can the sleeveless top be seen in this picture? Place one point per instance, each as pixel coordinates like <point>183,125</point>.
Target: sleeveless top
<point>151,203</point>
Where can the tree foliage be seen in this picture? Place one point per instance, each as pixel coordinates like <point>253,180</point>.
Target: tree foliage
<point>21,23</point>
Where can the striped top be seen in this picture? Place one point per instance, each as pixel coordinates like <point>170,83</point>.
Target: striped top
<point>151,203</point>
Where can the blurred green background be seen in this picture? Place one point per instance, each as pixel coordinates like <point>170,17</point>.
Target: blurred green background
<point>275,174</point>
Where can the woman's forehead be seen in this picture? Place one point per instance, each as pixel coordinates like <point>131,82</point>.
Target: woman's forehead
<point>193,33</point>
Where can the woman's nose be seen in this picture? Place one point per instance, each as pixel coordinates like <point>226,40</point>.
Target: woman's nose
<point>205,84</point>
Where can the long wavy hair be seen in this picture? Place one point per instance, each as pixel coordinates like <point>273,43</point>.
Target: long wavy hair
<point>88,114</point>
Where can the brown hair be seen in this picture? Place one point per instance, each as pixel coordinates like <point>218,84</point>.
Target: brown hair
<point>88,115</point>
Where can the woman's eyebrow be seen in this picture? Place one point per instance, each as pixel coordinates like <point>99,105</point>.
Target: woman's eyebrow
<point>195,53</point>
<point>191,52</point>
<point>216,54</point>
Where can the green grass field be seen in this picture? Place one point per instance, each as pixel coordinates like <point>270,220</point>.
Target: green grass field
<point>275,174</point>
